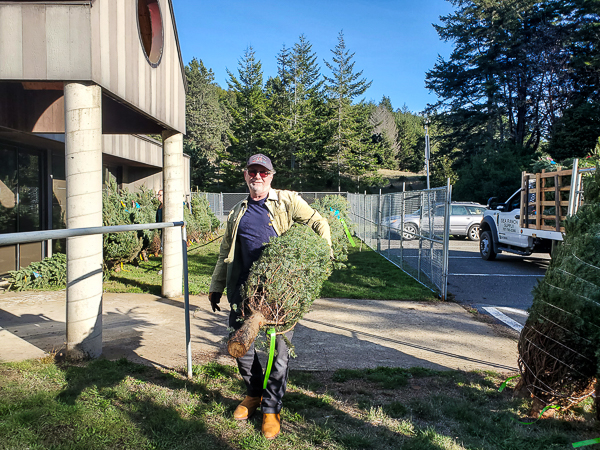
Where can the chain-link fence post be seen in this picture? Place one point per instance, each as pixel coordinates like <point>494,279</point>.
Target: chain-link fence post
<point>379,222</point>
<point>444,287</point>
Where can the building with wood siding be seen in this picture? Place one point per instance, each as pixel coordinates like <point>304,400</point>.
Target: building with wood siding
<point>82,86</point>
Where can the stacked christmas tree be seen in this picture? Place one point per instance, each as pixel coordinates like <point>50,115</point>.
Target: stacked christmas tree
<point>559,348</point>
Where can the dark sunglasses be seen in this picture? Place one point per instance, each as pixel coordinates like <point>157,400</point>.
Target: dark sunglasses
<point>263,173</point>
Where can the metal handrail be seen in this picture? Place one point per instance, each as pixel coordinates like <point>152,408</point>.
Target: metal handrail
<point>37,236</point>
<point>44,235</point>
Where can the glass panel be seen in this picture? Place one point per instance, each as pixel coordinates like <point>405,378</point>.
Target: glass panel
<point>31,252</point>
<point>8,190</point>
<point>59,201</point>
<point>458,210</point>
<point>476,210</point>
<point>8,259</point>
<point>30,192</point>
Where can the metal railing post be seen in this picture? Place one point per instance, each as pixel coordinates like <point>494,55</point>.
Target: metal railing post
<point>573,194</point>
<point>402,213</point>
<point>186,294</point>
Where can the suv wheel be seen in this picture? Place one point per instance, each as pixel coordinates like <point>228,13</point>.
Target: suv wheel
<point>486,246</point>
<point>411,231</point>
<point>473,232</point>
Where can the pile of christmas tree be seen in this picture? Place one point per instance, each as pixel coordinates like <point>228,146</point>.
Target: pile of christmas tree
<point>559,347</point>
<point>287,278</point>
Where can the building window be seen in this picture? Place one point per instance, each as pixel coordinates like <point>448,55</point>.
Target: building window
<point>150,28</point>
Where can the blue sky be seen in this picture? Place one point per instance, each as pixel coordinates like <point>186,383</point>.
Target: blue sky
<point>394,41</point>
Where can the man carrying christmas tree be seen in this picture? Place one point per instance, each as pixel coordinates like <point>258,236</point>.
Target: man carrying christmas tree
<point>266,213</point>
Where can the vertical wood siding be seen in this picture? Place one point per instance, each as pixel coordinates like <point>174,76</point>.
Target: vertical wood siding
<point>133,148</point>
<point>98,43</point>
<point>159,92</point>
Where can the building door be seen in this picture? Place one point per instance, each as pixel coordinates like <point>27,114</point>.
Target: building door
<point>21,204</point>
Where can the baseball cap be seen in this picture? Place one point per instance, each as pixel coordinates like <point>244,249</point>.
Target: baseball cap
<point>260,159</point>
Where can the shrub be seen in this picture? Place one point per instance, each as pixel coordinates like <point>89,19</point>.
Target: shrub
<point>50,272</point>
<point>201,221</point>
<point>119,207</point>
<point>327,207</point>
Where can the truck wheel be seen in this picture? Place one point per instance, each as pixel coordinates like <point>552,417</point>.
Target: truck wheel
<point>473,233</point>
<point>486,246</point>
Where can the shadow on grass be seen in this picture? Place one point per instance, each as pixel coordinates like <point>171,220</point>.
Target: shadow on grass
<point>430,410</point>
<point>143,287</point>
<point>120,404</point>
<point>151,400</point>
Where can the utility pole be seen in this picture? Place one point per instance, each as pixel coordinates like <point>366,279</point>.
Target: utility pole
<point>427,149</point>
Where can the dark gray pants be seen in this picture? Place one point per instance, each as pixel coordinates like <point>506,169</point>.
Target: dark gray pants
<point>252,372</point>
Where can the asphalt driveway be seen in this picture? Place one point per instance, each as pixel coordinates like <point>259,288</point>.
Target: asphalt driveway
<point>502,287</point>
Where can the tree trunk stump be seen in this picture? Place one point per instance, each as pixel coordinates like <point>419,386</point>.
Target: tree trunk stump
<point>242,339</point>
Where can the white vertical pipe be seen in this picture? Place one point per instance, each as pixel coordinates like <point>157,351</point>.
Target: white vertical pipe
<point>83,164</point>
<point>173,174</point>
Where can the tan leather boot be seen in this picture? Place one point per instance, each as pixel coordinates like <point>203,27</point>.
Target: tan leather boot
<point>245,409</point>
<point>271,425</point>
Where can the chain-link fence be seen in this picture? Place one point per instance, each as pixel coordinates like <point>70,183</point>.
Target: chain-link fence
<point>410,229</point>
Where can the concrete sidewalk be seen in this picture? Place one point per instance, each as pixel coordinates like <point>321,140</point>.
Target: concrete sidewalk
<point>337,333</point>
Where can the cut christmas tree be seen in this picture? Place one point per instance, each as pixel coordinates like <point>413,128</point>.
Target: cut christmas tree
<point>287,278</point>
<point>559,358</point>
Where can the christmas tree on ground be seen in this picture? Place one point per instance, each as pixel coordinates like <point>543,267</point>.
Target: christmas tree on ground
<point>559,347</point>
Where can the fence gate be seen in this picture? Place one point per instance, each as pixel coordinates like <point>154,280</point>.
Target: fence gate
<point>409,229</point>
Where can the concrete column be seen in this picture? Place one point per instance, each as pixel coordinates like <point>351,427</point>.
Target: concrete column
<point>172,276</point>
<point>83,164</point>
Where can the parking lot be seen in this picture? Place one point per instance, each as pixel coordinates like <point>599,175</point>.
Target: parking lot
<point>501,288</point>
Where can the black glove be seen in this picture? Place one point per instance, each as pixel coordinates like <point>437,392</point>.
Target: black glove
<point>215,299</point>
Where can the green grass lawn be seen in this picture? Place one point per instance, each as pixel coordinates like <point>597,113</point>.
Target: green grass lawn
<point>367,275</point>
<point>144,277</point>
<point>102,404</point>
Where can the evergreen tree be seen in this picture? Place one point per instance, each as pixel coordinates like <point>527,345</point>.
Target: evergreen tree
<point>385,134</point>
<point>295,111</point>
<point>411,140</point>
<point>249,122</point>
<point>516,70</point>
<point>341,89</point>
<point>207,123</point>
<point>559,358</point>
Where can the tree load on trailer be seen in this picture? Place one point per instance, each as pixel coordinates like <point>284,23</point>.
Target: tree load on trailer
<point>532,219</point>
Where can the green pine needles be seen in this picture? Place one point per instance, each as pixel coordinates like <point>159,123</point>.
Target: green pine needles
<point>50,273</point>
<point>559,354</point>
<point>288,277</point>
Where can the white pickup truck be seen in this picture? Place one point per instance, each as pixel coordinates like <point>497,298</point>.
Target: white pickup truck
<point>530,220</point>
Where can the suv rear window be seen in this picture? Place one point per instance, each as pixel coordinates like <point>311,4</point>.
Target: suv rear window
<point>476,210</point>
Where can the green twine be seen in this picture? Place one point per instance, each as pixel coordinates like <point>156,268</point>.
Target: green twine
<point>539,417</point>
<point>588,442</point>
<point>271,355</point>
<point>336,213</point>
<point>503,385</point>
<point>348,232</point>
